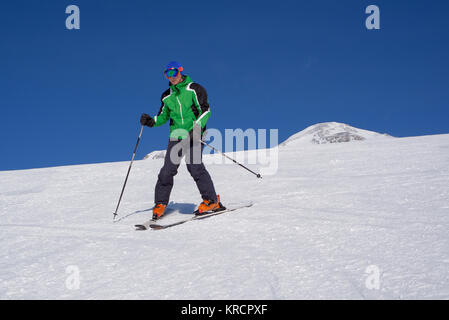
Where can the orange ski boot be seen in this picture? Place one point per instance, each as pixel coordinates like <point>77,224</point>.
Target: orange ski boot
<point>158,211</point>
<point>208,206</point>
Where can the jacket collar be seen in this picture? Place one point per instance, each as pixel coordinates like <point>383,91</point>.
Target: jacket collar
<point>187,80</point>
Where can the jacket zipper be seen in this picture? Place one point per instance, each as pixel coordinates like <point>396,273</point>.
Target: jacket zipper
<point>180,109</point>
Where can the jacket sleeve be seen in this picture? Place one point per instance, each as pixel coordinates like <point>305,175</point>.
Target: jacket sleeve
<point>202,104</point>
<point>164,112</point>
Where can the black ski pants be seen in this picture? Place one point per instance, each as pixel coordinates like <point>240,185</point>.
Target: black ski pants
<point>195,166</point>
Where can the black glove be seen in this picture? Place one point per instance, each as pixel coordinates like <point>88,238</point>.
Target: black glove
<point>146,120</point>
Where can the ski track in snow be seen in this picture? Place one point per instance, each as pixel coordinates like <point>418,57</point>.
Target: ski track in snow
<point>329,213</point>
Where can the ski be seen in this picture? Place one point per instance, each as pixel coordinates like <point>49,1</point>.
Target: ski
<point>145,225</point>
<point>155,226</point>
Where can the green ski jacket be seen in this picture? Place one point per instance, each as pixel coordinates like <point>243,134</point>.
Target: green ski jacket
<point>185,104</point>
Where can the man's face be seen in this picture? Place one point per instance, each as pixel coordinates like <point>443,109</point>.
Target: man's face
<point>175,80</point>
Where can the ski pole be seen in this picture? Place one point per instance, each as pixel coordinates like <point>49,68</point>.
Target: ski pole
<point>256,174</point>
<point>129,169</point>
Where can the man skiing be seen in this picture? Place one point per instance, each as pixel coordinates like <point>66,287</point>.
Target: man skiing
<point>186,104</point>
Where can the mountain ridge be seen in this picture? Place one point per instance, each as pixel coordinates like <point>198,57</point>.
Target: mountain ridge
<point>320,133</point>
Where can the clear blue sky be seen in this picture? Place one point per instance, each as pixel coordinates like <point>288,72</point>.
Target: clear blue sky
<point>75,96</point>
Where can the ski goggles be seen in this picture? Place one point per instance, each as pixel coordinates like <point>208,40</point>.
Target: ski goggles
<point>172,72</point>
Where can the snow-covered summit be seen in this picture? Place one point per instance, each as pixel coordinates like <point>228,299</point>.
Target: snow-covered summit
<point>158,154</point>
<point>331,132</point>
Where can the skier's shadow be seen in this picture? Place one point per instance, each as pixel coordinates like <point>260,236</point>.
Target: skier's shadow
<point>182,208</point>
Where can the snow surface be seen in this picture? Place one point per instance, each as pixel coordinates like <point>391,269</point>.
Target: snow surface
<point>331,215</point>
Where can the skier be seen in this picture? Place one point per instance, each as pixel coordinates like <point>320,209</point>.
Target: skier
<point>186,104</point>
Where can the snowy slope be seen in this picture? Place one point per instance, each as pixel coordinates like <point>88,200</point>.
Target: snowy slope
<point>362,220</point>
